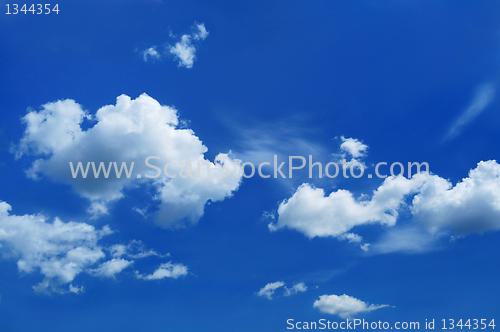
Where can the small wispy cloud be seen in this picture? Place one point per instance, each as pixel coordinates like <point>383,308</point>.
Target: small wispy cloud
<point>184,51</point>
<point>150,53</point>
<point>484,96</point>
<point>299,287</point>
<point>268,290</point>
<point>165,270</point>
<point>201,32</point>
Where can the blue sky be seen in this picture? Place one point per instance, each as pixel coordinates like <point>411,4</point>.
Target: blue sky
<point>394,81</point>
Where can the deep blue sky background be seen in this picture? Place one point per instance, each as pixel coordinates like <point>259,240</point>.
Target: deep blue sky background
<point>394,74</point>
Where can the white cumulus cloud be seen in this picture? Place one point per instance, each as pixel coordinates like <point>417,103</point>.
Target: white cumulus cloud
<point>344,306</point>
<point>353,146</point>
<point>130,131</point>
<point>437,207</point>
<point>471,206</point>
<point>312,213</point>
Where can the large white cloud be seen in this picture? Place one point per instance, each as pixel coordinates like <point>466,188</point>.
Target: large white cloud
<point>344,306</point>
<point>471,206</point>
<point>311,212</point>
<point>438,208</point>
<point>60,251</point>
<point>130,131</point>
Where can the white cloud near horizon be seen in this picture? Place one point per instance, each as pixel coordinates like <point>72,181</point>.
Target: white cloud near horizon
<point>130,131</point>
<point>484,95</point>
<point>344,306</point>
<point>58,250</point>
<point>438,209</point>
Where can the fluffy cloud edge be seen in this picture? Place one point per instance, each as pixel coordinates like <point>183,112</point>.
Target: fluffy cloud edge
<point>128,132</point>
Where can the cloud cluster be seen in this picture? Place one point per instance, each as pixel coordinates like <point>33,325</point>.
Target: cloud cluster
<point>184,51</point>
<point>128,132</point>
<point>268,290</point>
<point>438,209</point>
<point>344,306</point>
<point>61,251</point>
